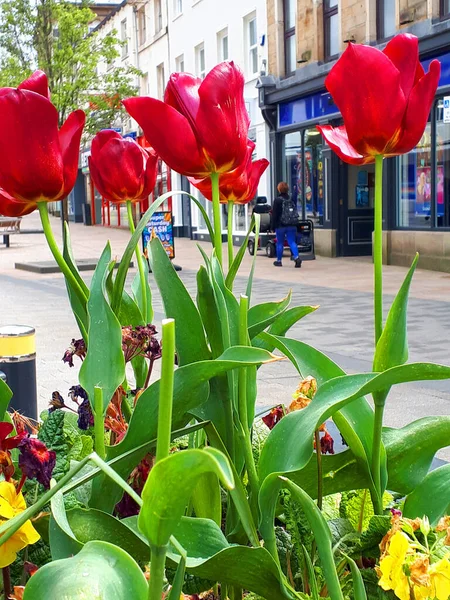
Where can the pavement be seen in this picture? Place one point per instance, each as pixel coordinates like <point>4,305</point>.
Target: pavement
<point>342,326</point>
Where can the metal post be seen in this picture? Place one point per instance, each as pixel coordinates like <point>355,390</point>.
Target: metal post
<point>18,363</point>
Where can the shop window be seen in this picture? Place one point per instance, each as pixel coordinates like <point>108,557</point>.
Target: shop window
<point>331,28</point>
<point>442,165</point>
<point>290,50</point>
<point>445,8</point>
<point>415,180</point>
<point>386,26</point>
<point>177,7</point>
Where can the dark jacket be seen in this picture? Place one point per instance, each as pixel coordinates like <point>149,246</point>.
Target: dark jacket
<point>277,208</point>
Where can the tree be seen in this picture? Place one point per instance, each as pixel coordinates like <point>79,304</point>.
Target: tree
<point>54,35</point>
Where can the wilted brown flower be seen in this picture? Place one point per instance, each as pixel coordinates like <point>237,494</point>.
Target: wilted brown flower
<point>76,348</point>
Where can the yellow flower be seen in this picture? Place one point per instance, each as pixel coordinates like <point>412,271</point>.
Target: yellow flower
<point>12,504</point>
<point>440,578</point>
<point>393,576</point>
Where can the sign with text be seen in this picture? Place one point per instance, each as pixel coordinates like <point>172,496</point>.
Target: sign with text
<point>160,226</point>
<point>446,116</point>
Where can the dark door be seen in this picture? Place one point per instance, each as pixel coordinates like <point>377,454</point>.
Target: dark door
<point>186,208</point>
<point>356,189</point>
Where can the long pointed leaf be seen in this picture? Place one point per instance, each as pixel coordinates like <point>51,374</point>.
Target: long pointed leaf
<point>431,497</point>
<point>239,256</point>
<point>252,270</point>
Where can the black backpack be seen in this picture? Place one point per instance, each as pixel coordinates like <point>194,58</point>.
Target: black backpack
<point>289,213</point>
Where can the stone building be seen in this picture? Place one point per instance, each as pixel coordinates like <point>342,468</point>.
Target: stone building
<point>305,38</point>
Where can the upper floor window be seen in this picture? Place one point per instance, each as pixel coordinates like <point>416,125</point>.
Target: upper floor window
<point>331,28</point>
<point>222,45</point>
<point>177,7</point>
<point>158,16</point>
<point>179,64</point>
<point>160,80</point>
<point>142,25</point>
<point>124,38</point>
<point>445,8</point>
<point>252,45</point>
<point>200,66</point>
<point>385,19</point>
<point>290,53</point>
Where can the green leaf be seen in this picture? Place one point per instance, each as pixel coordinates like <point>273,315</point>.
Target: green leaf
<point>63,542</point>
<point>104,365</point>
<point>358,584</point>
<point>169,487</point>
<point>100,571</point>
<point>137,293</point>
<point>357,507</point>
<point>268,501</point>
<point>191,389</point>
<point>261,316</point>
<point>233,270</point>
<point>283,323</point>
<point>206,498</point>
<point>311,575</point>
<point>211,557</point>
<point>78,308</point>
<point>369,542</point>
<point>5,397</point>
<point>209,313</point>
<point>431,497</point>
<point>130,313</point>
<point>189,334</point>
<point>392,347</point>
<point>135,239</point>
<point>252,270</point>
<point>52,434</point>
<point>140,370</point>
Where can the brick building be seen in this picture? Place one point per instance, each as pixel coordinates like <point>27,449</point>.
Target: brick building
<point>305,37</point>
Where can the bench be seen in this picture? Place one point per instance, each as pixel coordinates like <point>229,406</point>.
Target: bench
<point>9,226</point>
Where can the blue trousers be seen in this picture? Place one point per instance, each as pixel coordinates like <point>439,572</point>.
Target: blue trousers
<point>290,233</point>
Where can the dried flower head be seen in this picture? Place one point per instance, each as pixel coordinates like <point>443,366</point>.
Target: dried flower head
<point>275,415</point>
<point>140,341</point>
<point>56,403</point>
<point>76,348</point>
<point>127,507</point>
<point>36,461</point>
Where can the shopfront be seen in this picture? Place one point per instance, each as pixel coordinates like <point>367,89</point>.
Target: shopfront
<point>338,197</point>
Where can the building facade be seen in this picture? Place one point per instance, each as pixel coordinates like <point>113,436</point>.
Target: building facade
<point>165,36</point>
<point>305,38</point>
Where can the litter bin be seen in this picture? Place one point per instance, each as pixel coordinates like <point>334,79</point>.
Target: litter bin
<point>18,363</point>
<point>87,215</point>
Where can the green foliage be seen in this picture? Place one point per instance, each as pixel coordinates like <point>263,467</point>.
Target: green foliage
<point>370,539</point>
<point>431,497</point>
<point>55,36</point>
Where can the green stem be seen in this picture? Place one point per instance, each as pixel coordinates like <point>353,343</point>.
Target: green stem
<point>6,582</point>
<point>166,390</point>
<point>43,212</point>
<point>216,216</point>
<point>157,567</point>
<point>378,248</point>
<point>230,234</point>
<point>319,470</point>
<point>99,422</point>
<point>376,458</point>
<point>141,267</point>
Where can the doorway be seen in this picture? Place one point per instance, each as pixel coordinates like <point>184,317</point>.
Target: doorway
<point>356,220</point>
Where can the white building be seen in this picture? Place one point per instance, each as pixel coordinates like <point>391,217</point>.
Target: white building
<point>164,36</point>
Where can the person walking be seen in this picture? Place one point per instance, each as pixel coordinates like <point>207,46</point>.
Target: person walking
<point>284,222</point>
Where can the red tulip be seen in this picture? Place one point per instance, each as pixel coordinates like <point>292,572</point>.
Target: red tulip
<point>201,127</point>
<point>238,186</point>
<point>14,208</point>
<point>120,168</point>
<point>384,98</point>
<point>38,161</point>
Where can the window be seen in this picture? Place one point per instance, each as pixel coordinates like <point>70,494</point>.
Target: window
<point>144,89</point>
<point>160,80</point>
<point>290,53</point>
<point>179,64</point>
<point>443,165</point>
<point>331,28</point>
<point>445,8</point>
<point>252,46</point>
<point>158,16</point>
<point>124,38</point>
<point>385,19</point>
<point>222,45</point>
<point>177,7</point>
<point>200,61</point>
<point>142,25</point>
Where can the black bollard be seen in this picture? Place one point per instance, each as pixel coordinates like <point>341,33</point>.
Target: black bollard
<point>18,363</point>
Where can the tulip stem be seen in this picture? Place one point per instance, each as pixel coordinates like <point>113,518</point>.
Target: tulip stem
<point>230,234</point>
<point>99,423</point>
<point>166,390</point>
<point>141,267</point>
<point>70,277</point>
<point>216,216</point>
<point>378,248</point>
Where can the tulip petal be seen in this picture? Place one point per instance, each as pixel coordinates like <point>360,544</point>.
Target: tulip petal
<point>182,94</point>
<point>14,208</point>
<point>151,172</point>
<point>419,106</point>
<point>169,133</point>
<point>403,51</point>
<point>365,85</point>
<point>97,179</point>
<point>101,138</point>
<point>337,139</point>
<point>222,121</point>
<point>30,155</point>
<point>38,83</point>
<point>257,169</point>
<point>5,429</point>
<point>69,139</point>
<point>121,163</point>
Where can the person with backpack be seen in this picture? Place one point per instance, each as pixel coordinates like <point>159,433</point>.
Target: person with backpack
<point>285,219</point>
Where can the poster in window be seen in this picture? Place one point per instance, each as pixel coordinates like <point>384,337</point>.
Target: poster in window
<point>423,191</point>
<point>160,226</point>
